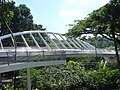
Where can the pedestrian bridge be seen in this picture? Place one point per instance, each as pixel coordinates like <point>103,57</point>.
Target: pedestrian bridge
<point>40,48</point>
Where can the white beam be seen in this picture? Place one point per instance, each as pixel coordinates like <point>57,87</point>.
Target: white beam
<point>88,45</point>
<point>35,41</point>
<point>1,44</point>
<point>25,41</point>
<point>83,47</point>
<point>22,65</point>
<point>66,41</point>
<point>72,43</point>
<point>76,42</point>
<point>13,41</point>
<point>44,41</point>
<point>52,42</point>
<point>59,41</point>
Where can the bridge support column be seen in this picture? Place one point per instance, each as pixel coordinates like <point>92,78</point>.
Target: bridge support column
<point>28,79</point>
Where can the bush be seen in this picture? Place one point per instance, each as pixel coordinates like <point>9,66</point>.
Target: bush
<point>74,77</point>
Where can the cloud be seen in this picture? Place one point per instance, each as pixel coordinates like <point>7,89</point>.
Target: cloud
<point>71,13</point>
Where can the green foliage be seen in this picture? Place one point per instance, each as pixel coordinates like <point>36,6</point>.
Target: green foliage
<point>38,27</point>
<point>22,20</point>
<point>8,87</point>
<point>104,79</point>
<point>5,12</point>
<point>74,77</point>
<point>104,21</point>
<point>100,42</point>
<point>19,18</point>
<point>76,29</point>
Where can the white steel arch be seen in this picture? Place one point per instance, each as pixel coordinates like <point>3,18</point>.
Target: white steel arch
<point>71,42</point>
<point>50,48</point>
<point>53,51</point>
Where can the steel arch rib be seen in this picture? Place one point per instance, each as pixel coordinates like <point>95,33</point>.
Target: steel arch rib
<point>76,43</point>
<point>72,52</point>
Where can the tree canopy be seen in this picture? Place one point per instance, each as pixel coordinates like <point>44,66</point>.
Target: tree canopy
<point>5,11</point>
<point>104,21</point>
<point>22,19</point>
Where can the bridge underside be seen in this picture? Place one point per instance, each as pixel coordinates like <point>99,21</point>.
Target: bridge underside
<point>22,65</point>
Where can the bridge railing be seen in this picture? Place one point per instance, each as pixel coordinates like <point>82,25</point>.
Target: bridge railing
<point>28,56</point>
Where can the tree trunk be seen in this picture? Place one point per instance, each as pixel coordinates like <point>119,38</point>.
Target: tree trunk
<point>116,50</point>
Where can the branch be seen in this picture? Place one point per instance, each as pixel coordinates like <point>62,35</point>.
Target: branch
<point>11,33</point>
<point>107,37</point>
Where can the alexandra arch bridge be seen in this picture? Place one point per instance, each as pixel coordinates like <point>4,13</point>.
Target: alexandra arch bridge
<point>40,48</point>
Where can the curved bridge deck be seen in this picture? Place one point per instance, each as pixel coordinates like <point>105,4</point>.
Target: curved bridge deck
<point>34,48</point>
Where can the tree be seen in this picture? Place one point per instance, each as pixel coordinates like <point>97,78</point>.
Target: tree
<point>22,20</point>
<point>6,7</point>
<point>5,12</point>
<point>76,29</point>
<point>104,21</point>
<point>38,27</point>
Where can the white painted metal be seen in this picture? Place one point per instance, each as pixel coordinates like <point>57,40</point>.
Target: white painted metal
<point>73,43</point>
<point>80,48</point>
<point>76,42</point>
<point>44,41</point>
<point>60,42</point>
<point>22,65</point>
<point>35,41</point>
<point>52,42</point>
<point>83,47</point>
<point>38,31</point>
<point>13,41</point>
<point>87,44</point>
<point>1,44</point>
<point>66,41</point>
<point>25,41</point>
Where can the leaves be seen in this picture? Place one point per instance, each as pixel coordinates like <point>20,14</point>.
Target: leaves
<point>104,21</point>
<point>5,13</point>
<point>74,77</point>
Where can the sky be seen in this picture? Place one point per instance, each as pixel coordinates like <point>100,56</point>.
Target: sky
<point>56,15</point>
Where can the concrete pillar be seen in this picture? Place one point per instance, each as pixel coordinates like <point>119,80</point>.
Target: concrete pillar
<point>28,79</point>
